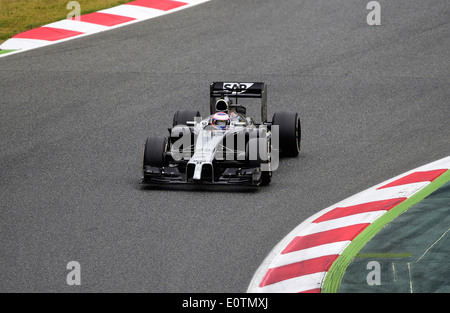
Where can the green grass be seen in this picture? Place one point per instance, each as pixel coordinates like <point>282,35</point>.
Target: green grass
<point>17,16</point>
<point>6,51</point>
<point>334,276</point>
<point>383,255</point>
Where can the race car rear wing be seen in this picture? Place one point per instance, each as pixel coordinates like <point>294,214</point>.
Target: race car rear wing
<point>239,90</point>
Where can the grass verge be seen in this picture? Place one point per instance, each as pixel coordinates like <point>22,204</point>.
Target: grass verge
<point>17,16</point>
<point>6,51</point>
<point>334,276</point>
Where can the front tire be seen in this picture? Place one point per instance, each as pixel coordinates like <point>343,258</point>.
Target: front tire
<point>155,151</point>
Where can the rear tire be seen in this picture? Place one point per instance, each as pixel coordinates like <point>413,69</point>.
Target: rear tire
<point>289,132</point>
<point>182,116</point>
<point>155,151</point>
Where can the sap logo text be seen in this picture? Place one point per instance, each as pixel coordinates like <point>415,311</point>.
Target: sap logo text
<point>236,86</point>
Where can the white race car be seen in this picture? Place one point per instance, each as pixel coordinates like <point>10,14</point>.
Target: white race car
<point>227,147</point>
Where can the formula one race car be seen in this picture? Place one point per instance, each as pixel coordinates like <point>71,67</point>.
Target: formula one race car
<point>227,147</point>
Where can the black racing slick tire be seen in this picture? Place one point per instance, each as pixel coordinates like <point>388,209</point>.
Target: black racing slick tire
<point>290,133</point>
<point>155,151</point>
<point>182,116</point>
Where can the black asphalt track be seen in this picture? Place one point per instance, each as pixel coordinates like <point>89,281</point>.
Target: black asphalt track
<point>374,103</point>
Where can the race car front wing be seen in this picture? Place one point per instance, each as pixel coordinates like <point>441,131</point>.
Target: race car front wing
<point>228,176</point>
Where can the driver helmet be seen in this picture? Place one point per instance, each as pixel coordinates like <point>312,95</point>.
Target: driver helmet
<point>220,120</point>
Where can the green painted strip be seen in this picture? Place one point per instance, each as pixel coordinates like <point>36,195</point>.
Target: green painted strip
<point>383,255</point>
<point>6,51</point>
<point>337,270</point>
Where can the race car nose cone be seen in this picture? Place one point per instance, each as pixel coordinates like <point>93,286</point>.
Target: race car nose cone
<point>197,172</point>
